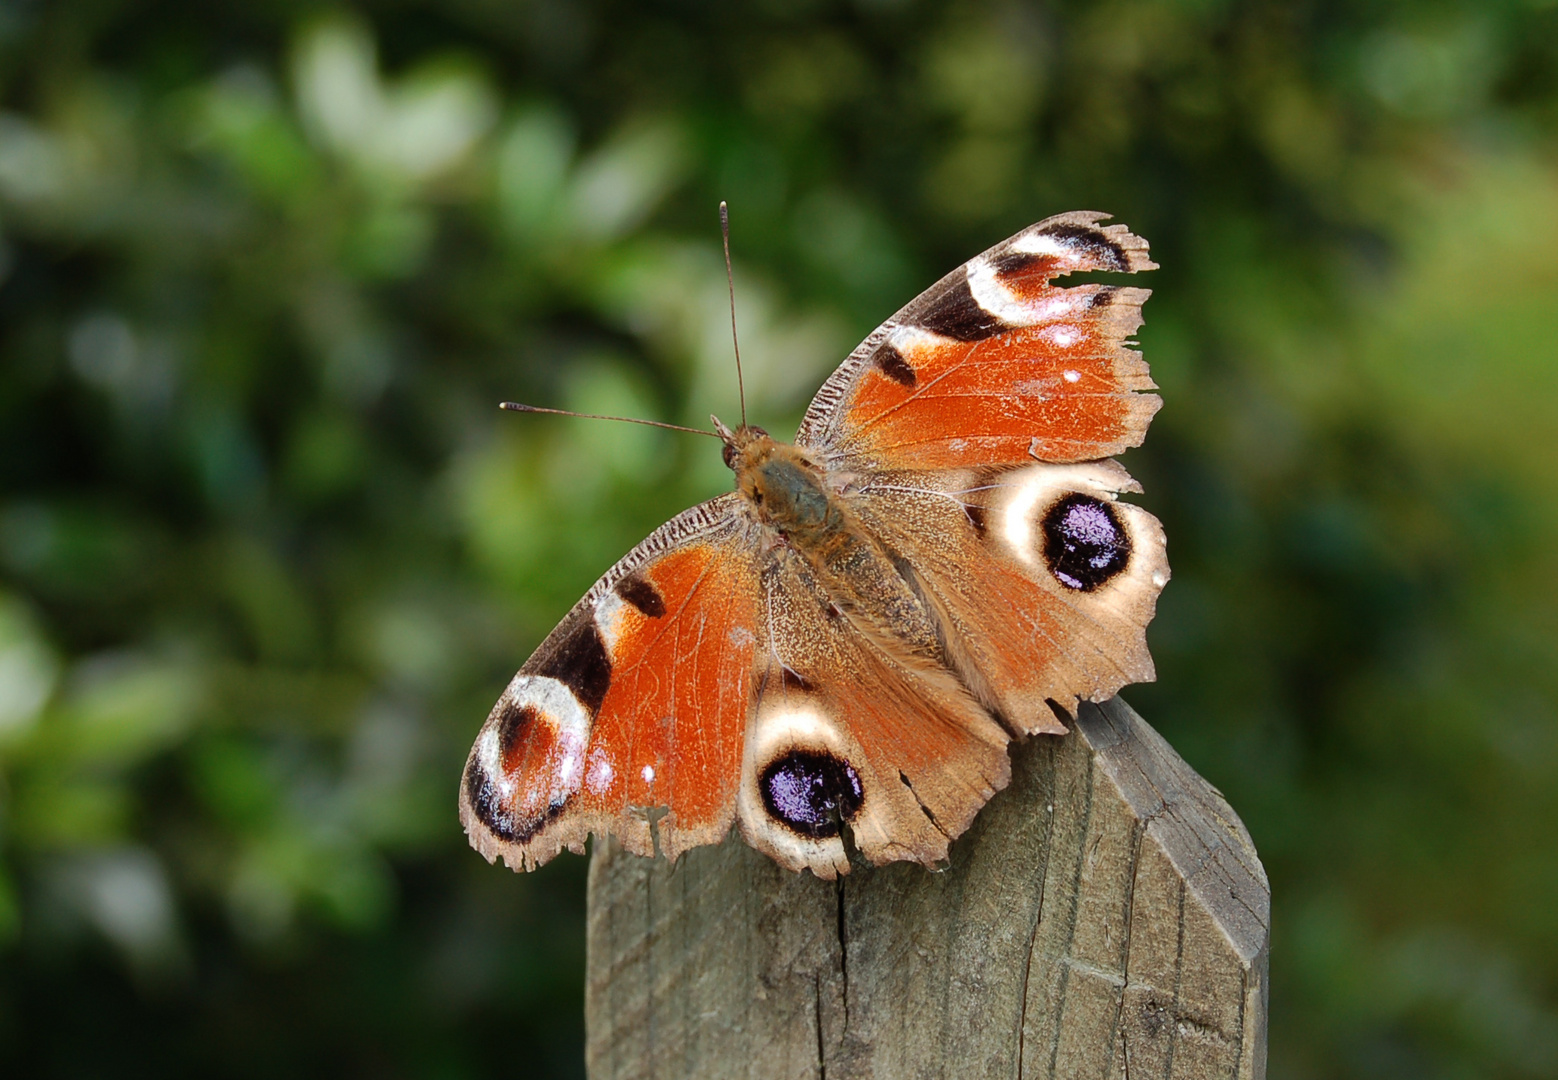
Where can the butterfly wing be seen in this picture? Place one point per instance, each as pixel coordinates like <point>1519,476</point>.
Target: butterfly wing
<point>1043,580</point>
<point>845,731</point>
<point>639,699</point>
<point>971,427</point>
<point>996,365</point>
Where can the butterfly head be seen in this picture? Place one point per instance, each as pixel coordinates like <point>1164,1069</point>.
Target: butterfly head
<point>782,482</point>
<point>743,446</point>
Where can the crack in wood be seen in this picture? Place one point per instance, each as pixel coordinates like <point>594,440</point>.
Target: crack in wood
<point>822,1050</point>
<point>843,937</point>
<point>1128,911</point>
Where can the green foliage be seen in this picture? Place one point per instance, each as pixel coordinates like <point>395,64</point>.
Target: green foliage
<point>268,551</point>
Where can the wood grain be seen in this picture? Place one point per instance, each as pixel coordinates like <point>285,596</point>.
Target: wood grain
<point>1106,916</point>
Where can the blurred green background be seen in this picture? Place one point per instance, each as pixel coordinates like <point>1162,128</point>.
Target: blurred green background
<point>268,552</point>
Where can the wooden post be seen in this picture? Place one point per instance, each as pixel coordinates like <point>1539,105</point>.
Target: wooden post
<point>1106,916</point>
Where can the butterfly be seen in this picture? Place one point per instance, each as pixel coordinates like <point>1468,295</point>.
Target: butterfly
<point>842,648</point>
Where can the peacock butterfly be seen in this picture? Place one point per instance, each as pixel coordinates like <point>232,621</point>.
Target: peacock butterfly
<point>843,647</point>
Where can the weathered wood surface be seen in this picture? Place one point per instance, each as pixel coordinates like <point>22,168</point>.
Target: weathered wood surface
<point>1106,916</point>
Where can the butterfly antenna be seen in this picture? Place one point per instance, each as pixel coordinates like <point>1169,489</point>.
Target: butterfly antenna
<point>730,280</point>
<point>514,406</point>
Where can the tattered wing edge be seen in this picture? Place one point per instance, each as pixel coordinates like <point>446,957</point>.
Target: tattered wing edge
<point>818,426</point>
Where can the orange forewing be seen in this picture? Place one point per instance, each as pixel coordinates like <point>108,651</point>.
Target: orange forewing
<point>670,729</point>
<point>1063,390</point>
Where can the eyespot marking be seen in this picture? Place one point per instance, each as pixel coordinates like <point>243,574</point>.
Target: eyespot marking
<point>811,792</point>
<point>529,760</point>
<point>511,725</point>
<point>642,594</point>
<point>1084,543</point>
<point>890,362</point>
<point>494,811</point>
<point>488,804</point>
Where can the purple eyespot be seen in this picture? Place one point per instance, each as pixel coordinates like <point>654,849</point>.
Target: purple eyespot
<point>812,792</point>
<point>1084,542</point>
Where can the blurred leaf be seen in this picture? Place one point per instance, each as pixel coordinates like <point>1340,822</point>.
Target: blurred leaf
<point>620,182</point>
<point>121,708</point>
<point>27,671</point>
